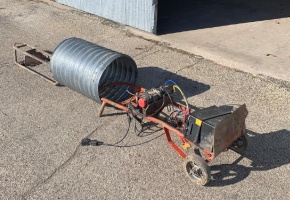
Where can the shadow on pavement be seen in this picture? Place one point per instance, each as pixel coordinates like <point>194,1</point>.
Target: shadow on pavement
<point>266,151</point>
<point>177,16</point>
<point>149,77</point>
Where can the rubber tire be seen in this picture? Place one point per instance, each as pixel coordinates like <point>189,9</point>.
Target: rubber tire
<point>245,142</point>
<point>202,166</point>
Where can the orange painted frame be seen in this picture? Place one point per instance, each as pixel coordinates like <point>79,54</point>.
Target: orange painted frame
<point>166,127</point>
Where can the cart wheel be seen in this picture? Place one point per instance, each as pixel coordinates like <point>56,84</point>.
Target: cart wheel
<point>197,169</point>
<point>241,144</point>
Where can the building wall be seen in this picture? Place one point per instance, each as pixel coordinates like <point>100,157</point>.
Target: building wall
<point>141,14</point>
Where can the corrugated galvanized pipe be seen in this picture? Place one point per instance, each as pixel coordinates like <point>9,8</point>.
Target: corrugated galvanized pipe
<point>85,67</point>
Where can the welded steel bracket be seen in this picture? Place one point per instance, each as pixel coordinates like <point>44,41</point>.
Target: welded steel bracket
<point>33,57</point>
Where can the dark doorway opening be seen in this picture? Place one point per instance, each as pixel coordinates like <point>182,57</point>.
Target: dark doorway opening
<point>178,16</point>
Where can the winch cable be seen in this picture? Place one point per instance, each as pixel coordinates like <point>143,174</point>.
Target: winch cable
<point>157,109</point>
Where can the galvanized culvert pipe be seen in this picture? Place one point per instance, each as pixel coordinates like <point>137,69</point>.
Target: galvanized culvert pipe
<point>85,67</point>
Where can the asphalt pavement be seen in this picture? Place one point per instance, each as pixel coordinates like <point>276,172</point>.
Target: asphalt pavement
<point>42,125</point>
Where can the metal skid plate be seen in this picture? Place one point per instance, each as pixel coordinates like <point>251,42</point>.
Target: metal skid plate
<point>214,128</point>
<point>229,130</point>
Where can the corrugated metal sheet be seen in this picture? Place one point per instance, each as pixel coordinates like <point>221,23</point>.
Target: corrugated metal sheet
<point>141,14</point>
<point>85,67</point>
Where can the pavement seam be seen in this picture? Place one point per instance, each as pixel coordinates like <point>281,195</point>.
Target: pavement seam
<point>189,66</point>
<point>142,57</point>
<point>62,166</point>
<point>146,49</point>
<point>106,39</point>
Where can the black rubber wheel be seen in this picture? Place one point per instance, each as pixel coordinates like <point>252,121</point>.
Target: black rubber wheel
<point>197,169</point>
<point>241,144</point>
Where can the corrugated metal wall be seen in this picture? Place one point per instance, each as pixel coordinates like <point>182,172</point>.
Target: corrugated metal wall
<point>141,14</point>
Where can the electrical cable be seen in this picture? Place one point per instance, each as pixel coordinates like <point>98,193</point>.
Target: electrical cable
<point>173,118</point>
<point>182,94</point>
<point>168,106</point>
<point>171,82</point>
<point>175,85</point>
<point>86,141</point>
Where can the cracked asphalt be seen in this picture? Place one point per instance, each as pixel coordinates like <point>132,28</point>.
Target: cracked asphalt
<point>41,125</point>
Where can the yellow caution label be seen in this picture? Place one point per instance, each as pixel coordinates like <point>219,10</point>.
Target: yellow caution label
<point>185,145</point>
<point>198,122</point>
